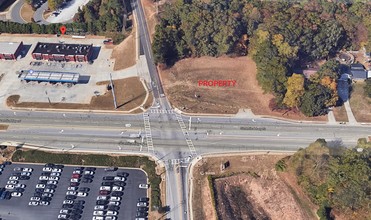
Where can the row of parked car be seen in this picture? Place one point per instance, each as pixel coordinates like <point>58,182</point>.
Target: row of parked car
<point>46,185</point>
<point>110,195</point>
<point>14,187</point>
<point>72,207</point>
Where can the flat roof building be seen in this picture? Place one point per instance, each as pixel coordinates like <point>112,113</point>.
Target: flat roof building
<point>10,50</point>
<point>62,52</point>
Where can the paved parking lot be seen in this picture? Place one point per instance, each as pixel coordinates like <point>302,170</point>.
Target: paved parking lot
<point>18,208</point>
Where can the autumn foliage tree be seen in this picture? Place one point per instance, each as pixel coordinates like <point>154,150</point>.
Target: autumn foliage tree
<point>295,89</point>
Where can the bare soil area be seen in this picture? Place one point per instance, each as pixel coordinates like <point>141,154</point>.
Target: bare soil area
<point>150,14</point>
<point>250,189</point>
<point>27,12</point>
<point>6,153</point>
<point>340,114</point>
<point>129,92</point>
<point>125,53</point>
<point>181,86</point>
<point>360,104</point>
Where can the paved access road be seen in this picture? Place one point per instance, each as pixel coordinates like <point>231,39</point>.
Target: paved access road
<point>18,208</point>
<point>16,12</point>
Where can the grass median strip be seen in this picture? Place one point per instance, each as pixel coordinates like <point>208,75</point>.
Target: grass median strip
<point>37,156</point>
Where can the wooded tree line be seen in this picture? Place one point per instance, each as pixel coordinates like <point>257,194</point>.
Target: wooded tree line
<point>334,177</point>
<point>279,36</point>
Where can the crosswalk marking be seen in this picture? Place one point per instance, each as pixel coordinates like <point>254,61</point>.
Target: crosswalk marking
<point>186,135</point>
<point>147,129</point>
<point>162,111</point>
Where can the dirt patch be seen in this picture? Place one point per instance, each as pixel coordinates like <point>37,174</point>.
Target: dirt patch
<point>6,153</point>
<point>27,12</point>
<point>360,104</point>
<point>125,53</point>
<point>340,114</point>
<point>181,86</point>
<point>3,127</point>
<point>254,191</point>
<point>130,94</point>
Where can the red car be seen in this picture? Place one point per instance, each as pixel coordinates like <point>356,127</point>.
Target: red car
<point>103,192</point>
<point>75,175</point>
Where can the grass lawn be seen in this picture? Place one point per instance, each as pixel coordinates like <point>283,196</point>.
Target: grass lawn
<point>340,114</point>
<point>360,104</point>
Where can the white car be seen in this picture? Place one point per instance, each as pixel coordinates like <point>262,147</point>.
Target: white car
<point>44,203</point>
<point>25,174</point>
<point>108,188</point>
<point>87,172</point>
<point>55,174</point>
<point>72,188</point>
<point>102,197</point>
<point>142,204</point>
<point>111,213</point>
<point>13,178</point>
<point>16,194</point>
<point>52,182</point>
<point>40,186</point>
<point>113,218</point>
<point>74,180</point>
<point>115,198</point>
<point>117,188</point>
<point>117,178</point>
<point>34,198</point>
<point>76,172</point>
<point>68,202</point>
<point>62,216</point>
<point>99,212</point>
<point>33,203</point>
<point>54,178</point>
<point>74,193</point>
<point>64,211</point>
<point>12,182</point>
<point>26,169</point>
<point>99,207</point>
<point>56,170</point>
<point>98,218</point>
<point>47,169</point>
<point>20,186</point>
<point>17,169</point>
<point>81,194</point>
<point>143,186</point>
<point>43,178</point>
<point>9,187</point>
<point>49,190</point>
<point>111,203</point>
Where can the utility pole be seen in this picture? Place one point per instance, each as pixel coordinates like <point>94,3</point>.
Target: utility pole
<point>113,91</point>
<point>46,93</point>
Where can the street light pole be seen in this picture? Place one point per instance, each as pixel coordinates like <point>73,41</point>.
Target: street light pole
<point>113,91</point>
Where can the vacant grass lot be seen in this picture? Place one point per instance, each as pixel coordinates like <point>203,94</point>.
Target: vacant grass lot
<point>360,104</point>
<point>36,156</point>
<point>340,114</point>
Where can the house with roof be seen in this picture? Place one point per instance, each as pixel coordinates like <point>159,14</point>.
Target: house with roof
<point>10,50</point>
<point>358,71</point>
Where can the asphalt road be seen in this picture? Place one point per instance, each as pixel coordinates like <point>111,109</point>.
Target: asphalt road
<point>38,15</point>
<point>18,208</point>
<point>16,12</point>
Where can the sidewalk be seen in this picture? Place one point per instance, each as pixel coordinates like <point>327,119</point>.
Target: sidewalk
<point>352,120</point>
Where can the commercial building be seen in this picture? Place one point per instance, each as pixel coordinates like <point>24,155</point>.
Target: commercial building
<point>47,76</point>
<point>62,52</point>
<point>10,50</point>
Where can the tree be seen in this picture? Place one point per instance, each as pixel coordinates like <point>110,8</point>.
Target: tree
<point>295,89</point>
<point>313,102</point>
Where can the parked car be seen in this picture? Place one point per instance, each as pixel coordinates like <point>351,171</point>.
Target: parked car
<point>9,186</point>
<point>53,178</point>
<point>116,193</point>
<point>51,186</point>
<point>33,203</point>
<point>70,197</point>
<point>13,178</point>
<point>142,209</point>
<point>111,169</point>
<point>106,183</point>
<point>71,193</point>
<point>103,192</point>
<point>143,199</point>
<point>112,213</point>
<point>84,189</point>
<point>75,180</point>
<point>55,174</point>
<point>34,198</point>
<point>64,211</point>
<point>108,177</point>
<point>17,169</point>
<point>52,182</point>
<point>122,174</point>
<point>12,182</point>
<point>102,197</point>
<point>72,188</point>
<point>24,178</point>
<point>48,169</point>
<point>43,178</point>
<point>20,190</point>
<point>112,203</point>
<point>46,174</point>
<point>108,188</point>
<point>78,168</point>
<point>115,198</point>
<point>68,202</point>
<point>56,170</point>
<point>99,213</point>
<point>119,183</point>
<point>143,186</point>
<point>112,217</point>
<point>75,175</point>
<point>49,165</point>
<point>49,190</point>
<point>101,202</point>
<point>20,186</point>
<point>40,186</point>
<point>42,182</point>
<point>88,172</point>
<point>113,208</point>
<point>74,184</point>
<point>44,203</point>
<point>82,194</point>
<point>39,190</point>
<point>47,194</point>
<point>142,204</point>
<point>117,188</point>
<point>26,169</point>
<point>77,172</point>
<point>99,207</point>
<point>86,180</point>
<point>16,194</point>
<point>63,216</point>
<point>117,178</point>
<point>67,206</point>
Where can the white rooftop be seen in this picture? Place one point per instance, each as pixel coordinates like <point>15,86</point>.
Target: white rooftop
<point>9,47</point>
